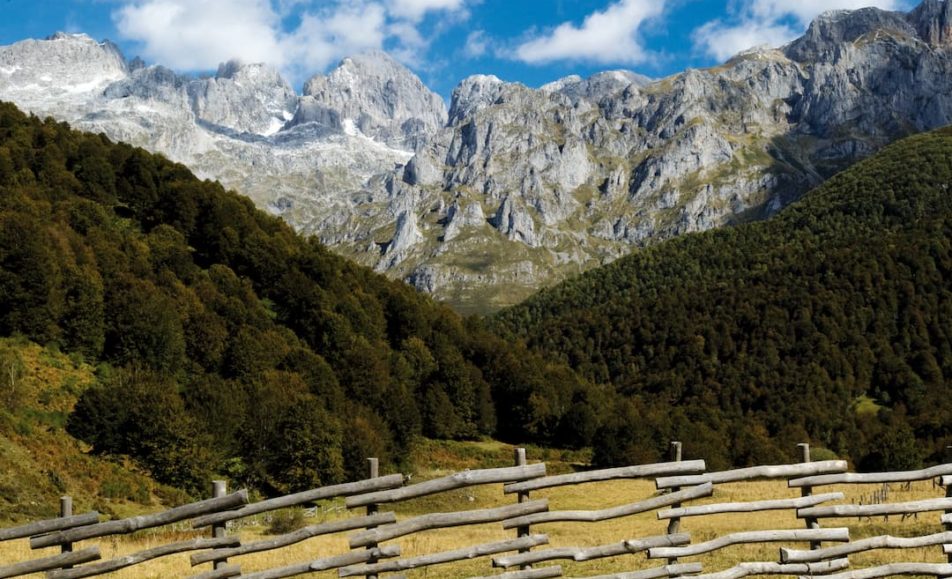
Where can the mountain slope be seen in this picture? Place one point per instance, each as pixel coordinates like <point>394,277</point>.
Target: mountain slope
<point>39,460</point>
<point>236,346</point>
<point>745,340</point>
<point>515,188</point>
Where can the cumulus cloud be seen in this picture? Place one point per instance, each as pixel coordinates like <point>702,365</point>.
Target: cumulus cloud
<point>722,41</point>
<point>609,36</point>
<point>322,38</point>
<point>770,22</point>
<point>477,44</point>
<point>415,10</point>
<point>195,34</point>
<point>806,10</point>
<point>200,34</point>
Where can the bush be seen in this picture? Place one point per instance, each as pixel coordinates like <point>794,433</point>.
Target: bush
<point>285,521</point>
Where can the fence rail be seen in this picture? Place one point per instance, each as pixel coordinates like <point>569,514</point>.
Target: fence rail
<point>373,554</point>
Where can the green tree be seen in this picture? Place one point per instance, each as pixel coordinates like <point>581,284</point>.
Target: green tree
<point>140,413</point>
<point>143,326</point>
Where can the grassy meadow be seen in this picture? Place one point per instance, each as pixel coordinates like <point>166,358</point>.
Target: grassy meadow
<point>445,458</point>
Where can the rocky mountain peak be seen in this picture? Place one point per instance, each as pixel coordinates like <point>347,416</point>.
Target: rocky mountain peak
<point>362,69</point>
<point>260,74</point>
<point>832,29</point>
<point>83,41</point>
<point>150,83</point>
<point>562,83</point>
<point>249,98</point>
<point>66,68</point>
<point>600,85</point>
<point>60,35</point>
<point>474,92</point>
<point>933,21</point>
<point>67,57</point>
<point>376,95</point>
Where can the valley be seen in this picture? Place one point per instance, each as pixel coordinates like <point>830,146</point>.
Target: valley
<point>216,276</point>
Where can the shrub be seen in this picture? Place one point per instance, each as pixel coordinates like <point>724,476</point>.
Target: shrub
<point>285,521</point>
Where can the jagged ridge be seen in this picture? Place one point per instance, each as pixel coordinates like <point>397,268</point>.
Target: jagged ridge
<point>565,177</point>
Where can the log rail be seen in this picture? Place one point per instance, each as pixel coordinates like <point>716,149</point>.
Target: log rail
<point>684,491</point>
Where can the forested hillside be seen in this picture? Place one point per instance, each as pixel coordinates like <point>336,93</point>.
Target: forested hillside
<point>831,322</point>
<point>225,344</point>
<point>229,345</point>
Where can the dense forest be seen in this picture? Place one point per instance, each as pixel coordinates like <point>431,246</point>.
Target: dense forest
<point>831,322</point>
<point>226,344</point>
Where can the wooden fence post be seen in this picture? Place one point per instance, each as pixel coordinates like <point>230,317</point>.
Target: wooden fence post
<point>806,491</point>
<point>948,494</point>
<point>674,525</point>
<point>520,460</point>
<point>66,510</point>
<point>373,466</point>
<point>219,489</point>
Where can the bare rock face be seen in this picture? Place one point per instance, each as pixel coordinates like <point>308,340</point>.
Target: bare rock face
<point>425,168</point>
<point>407,235</point>
<point>513,188</point>
<point>63,71</point>
<point>246,98</point>
<point>473,93</point>
<point>513,221</point>
<point>933,21</point>
<point>376,95</point>
<point>460,217</point>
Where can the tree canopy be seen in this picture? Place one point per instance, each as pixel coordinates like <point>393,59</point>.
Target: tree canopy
<point>228,342</point>
<point>831,322</point>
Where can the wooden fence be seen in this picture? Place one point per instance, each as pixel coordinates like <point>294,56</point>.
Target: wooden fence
<point>521,553</point>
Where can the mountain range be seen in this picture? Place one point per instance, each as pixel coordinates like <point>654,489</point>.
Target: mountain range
<point>512,188</point>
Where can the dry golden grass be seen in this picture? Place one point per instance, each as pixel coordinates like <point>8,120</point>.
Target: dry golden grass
<point>591,496</point>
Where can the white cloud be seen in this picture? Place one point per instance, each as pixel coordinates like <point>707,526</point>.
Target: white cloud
<point>609,36</point>
<point>200,34</point>
<point>415,10</point>
<point>476,44</point>
<point>324,37</point>
<point>411,46</point>
<point>723,41</point>
<point>196,34</point>
<point>806,10</point>
<point>771,22</point>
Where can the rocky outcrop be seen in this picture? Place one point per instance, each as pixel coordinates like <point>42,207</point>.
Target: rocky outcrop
<point>425,169</point>
<point>62,72</point>
<point>376,95</point>
<point>65,62</point>
<point>247,98</point>
<point>459,217</point>
<point>406,237</point>
<point>514,221</point>
<point>153,83</point>
<point>933,21</point>
<point>513,187</point>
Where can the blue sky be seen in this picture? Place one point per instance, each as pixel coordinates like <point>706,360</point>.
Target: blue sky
<point>444,41</point>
